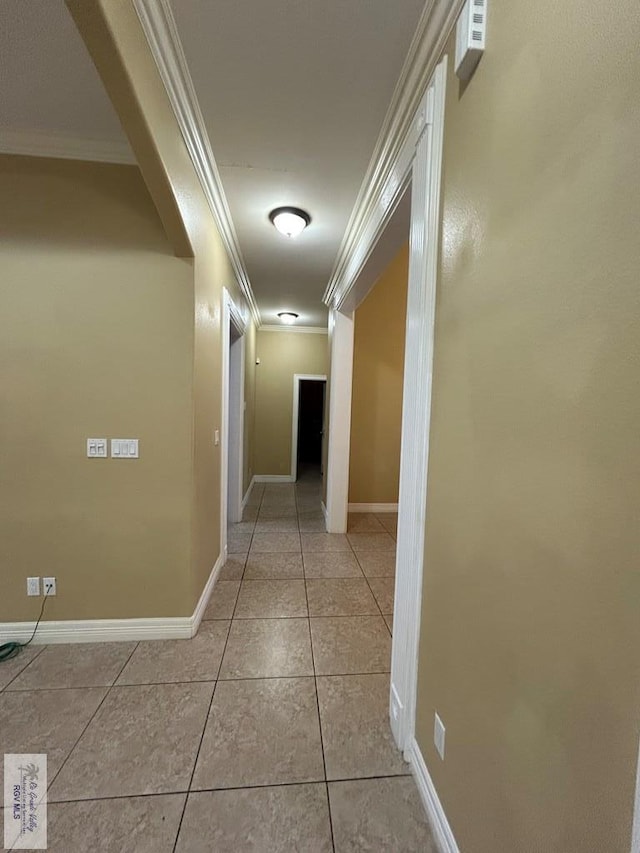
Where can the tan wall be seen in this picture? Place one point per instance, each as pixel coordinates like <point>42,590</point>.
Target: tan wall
<point>96,339</point>
<point>376,402</point>
<point>131,77</point>
<point>281,354</point>
<point>174,343</point>
<point>530,643</point>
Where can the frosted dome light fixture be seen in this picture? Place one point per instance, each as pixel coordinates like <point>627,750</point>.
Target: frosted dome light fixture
<point>288,317</point>
<point>289,221</point>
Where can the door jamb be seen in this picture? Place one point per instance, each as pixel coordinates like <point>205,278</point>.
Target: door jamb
<point>230,315</point>
<point>297,378</point>
<point>418,163</point>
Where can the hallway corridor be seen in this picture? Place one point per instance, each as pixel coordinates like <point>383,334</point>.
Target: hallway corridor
<point>267,733</point>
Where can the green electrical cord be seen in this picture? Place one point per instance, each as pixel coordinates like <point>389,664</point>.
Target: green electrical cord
<point>10,650</point>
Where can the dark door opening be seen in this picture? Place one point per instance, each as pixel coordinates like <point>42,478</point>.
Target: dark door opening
<point>310,425</point>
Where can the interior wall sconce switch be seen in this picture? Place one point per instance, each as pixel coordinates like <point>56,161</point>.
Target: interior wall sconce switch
<point>97,448</point>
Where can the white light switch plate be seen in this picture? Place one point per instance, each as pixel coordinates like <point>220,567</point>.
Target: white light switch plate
<point>124,448</point>
<point>33,586</point>
<point>97,448</point>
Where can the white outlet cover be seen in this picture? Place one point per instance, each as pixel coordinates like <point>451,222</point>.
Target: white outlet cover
<point>49,586</point>
<point>33,586</point>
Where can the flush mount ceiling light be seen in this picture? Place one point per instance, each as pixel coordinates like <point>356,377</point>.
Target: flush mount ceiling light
<point>288,317</point>
<point>289,221</point>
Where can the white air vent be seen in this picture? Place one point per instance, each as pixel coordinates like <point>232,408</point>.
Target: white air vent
<point>470,37</point>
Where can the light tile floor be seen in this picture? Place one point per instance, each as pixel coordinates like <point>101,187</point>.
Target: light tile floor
<point>266,733</point>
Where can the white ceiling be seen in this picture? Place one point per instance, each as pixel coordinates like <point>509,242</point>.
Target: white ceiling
<point>293,94</point>
<point>50,92</point>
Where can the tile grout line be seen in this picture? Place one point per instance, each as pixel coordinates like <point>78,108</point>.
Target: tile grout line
<point>206,680</point>
<point>315,682</point>
<point>92,717</point>
<point>234,788</point>
<point>215,686</point>
<point>355,554</point>
<point>20,671</point>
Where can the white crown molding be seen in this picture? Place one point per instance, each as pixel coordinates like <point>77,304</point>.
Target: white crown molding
<point>31,143</point>
<point>435,26</point>
<point>440,827</point>
<point>161,33</point>
<point>115,630</point>
<point>305,330</point>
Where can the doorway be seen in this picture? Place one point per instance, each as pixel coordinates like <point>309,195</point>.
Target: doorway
<point>309,394</point>
<point>411,178</point>
<point>235,430</point>
<point>232,433</point>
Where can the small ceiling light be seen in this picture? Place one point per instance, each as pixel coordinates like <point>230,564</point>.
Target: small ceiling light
<point>289,221</point>
<point>288,317</point>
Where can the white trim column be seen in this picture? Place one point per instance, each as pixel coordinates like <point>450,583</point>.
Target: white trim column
<point>416,409</point>
<point>230,314</point>
<point>341,375</point>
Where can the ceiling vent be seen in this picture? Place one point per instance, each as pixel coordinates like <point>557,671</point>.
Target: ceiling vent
<point>470,37</point>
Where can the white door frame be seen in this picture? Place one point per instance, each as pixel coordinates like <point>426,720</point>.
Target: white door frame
<point>338,449</point>
<point>230,315</point>
<point>297,378</point>
<point>418,164</point>
<point>235,431</point>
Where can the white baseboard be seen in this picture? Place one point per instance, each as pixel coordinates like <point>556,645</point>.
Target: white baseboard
<point>324,511</point>
<point>247,495</point>
<point>274,478</point>
<point>201,606</point>
<point>635,832</point>
<point>437,818</point>
<point>114,630</point>
<point>373,507</point>
<point>98,630</point>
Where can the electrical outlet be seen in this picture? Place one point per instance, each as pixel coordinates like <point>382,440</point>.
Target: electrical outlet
<point>438,736</point>
<point>33,586</point>
<point>216,437</point>
<point>49,586</point>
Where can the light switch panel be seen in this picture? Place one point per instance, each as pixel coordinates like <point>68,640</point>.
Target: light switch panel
<point>97,448</point>
<point>124,448</point>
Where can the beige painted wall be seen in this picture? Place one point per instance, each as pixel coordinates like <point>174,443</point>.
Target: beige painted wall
<point>96,339</point>
<point>119,48</point>
<point>530,642</point>
<point>376,402</point>
<point>281,354</point>
<point>154,537</point>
